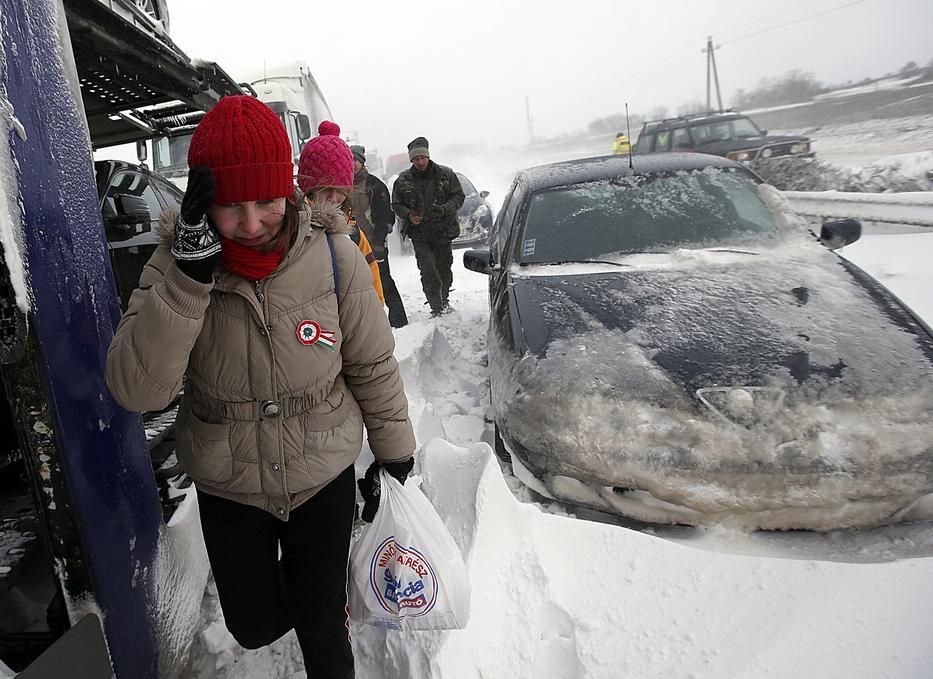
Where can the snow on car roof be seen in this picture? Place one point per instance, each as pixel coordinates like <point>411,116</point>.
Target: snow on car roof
<point>610,167</point>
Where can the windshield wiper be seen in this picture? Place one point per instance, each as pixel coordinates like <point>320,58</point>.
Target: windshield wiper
<point>741,252</point>
<point>587,261</point>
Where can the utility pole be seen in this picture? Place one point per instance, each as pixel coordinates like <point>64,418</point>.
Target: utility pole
<point>710,51</point>
<point>531,130</point>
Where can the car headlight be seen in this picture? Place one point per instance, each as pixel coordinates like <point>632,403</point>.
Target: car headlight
<point>740,155</point>
<point>795,148</point>
<point>766,153</point>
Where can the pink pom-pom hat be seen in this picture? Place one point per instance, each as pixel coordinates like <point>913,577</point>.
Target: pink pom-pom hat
<point>326,161</point>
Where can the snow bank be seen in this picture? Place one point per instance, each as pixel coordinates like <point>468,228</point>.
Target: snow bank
<point>563,598</point>
<point>181,571</point>
<point>901,262</point>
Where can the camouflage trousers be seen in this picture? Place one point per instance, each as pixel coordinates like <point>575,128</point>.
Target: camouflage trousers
<point>435,260</point>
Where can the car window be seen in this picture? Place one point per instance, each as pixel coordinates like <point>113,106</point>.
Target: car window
<point>132,184</point>
<point>663,142</point>
<point>724,130</point>
<point>503,225</point>
<point>743,127</point>
<point>170,155</point>
<point>169,193</point>
<point>644,143</point>
<point>681,139</point>
<point>128,256</point>
<point>645,213</point>
<point>468,188</point>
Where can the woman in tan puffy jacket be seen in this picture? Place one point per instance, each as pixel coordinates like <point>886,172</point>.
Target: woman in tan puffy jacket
<point>265,311</point>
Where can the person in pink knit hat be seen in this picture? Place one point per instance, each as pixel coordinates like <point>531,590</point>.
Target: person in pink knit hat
<point>325,177</point>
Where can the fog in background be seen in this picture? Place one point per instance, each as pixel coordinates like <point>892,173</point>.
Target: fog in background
<point>459,72</point>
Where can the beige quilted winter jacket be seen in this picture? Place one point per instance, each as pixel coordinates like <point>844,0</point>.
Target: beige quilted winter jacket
<point>269,415</point>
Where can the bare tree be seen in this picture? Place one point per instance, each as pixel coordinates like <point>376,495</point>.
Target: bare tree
<point>790,88</point>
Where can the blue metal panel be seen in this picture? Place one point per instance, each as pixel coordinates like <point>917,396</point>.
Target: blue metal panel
<point>103,448</point>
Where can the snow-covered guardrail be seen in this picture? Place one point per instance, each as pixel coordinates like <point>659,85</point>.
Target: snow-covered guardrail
<point>915,208</point>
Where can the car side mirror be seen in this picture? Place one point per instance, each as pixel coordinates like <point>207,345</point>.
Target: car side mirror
<point>304,127</point>
<point>479,261</point>
<point>142,151</point>
<point>130,210</point>
<point>484,194</point>
<point>764,132</point>
<point>840,232</point>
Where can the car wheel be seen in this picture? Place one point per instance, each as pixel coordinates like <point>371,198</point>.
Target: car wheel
<point>501,451</point>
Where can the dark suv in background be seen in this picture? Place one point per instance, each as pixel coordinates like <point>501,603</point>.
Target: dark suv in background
<point>729,134</point>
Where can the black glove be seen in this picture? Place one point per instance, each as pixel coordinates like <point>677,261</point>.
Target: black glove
<point>371,487</point>
<point>196,244</point>
<point>435,212</point>
<point>379,252</point>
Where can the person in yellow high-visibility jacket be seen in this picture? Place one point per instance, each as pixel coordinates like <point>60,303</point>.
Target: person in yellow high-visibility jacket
<point>621,146</point>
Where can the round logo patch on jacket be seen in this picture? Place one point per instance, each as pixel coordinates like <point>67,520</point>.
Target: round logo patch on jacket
<point>402,579</point>
<point>310,332</point>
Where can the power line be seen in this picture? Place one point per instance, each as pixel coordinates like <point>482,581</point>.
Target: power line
<point>795,21</point>
<point>766,17</point>
<point>682,55</point>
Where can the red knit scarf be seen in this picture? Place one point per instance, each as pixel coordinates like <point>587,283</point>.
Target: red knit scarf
<point>252,264</point>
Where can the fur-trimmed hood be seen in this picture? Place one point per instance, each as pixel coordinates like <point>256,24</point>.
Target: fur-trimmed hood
<point>327,216</point>
<point>318,215</point>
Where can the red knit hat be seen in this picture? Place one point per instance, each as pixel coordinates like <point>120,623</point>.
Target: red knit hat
<point>246,146</point>
<point>326,160</point>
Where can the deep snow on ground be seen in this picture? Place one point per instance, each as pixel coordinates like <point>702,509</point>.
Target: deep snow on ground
<point>879,143</point>
<point>556,596</point>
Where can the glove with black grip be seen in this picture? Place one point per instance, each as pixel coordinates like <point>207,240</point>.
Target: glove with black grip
<point>196,244</point>
<point>371,487</point>
<point>379,252</point>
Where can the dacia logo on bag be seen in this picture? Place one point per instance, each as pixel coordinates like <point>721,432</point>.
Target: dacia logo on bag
<point>402,579</point>
<point>310,332</point>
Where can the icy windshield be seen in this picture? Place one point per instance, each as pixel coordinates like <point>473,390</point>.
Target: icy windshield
<point>644,213</point>
<point>724,130</point>
<point>170,155</point>
<point>466,185</point>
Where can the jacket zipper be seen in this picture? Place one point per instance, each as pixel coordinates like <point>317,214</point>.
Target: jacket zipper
<point>261,298</point>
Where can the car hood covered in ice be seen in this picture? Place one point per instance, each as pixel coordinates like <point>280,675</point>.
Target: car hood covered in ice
<point>712,318</point>
<point>643,360</point>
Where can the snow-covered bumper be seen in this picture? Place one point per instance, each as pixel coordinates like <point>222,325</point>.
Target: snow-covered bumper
<point>802,464</point>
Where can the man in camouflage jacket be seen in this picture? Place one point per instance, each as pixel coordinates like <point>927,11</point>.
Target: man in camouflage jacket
<point>426,198</point>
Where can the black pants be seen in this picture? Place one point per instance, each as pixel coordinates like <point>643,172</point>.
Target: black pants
<point>435,260</point>
<point>262,597</point>
<point>397,316</point>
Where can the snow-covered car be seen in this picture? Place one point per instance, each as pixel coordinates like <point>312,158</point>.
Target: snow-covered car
<point>673,344</point>
<point>475,215</point>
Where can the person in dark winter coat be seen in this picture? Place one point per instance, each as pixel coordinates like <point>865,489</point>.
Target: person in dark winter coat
<point>262,308</point>
<point>426,197</point>
<point>371,207</point>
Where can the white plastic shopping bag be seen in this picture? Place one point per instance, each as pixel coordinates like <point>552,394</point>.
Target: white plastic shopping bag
<point>405,570</point>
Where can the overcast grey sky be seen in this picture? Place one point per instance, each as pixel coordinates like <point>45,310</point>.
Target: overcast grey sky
<point>460,71</point>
